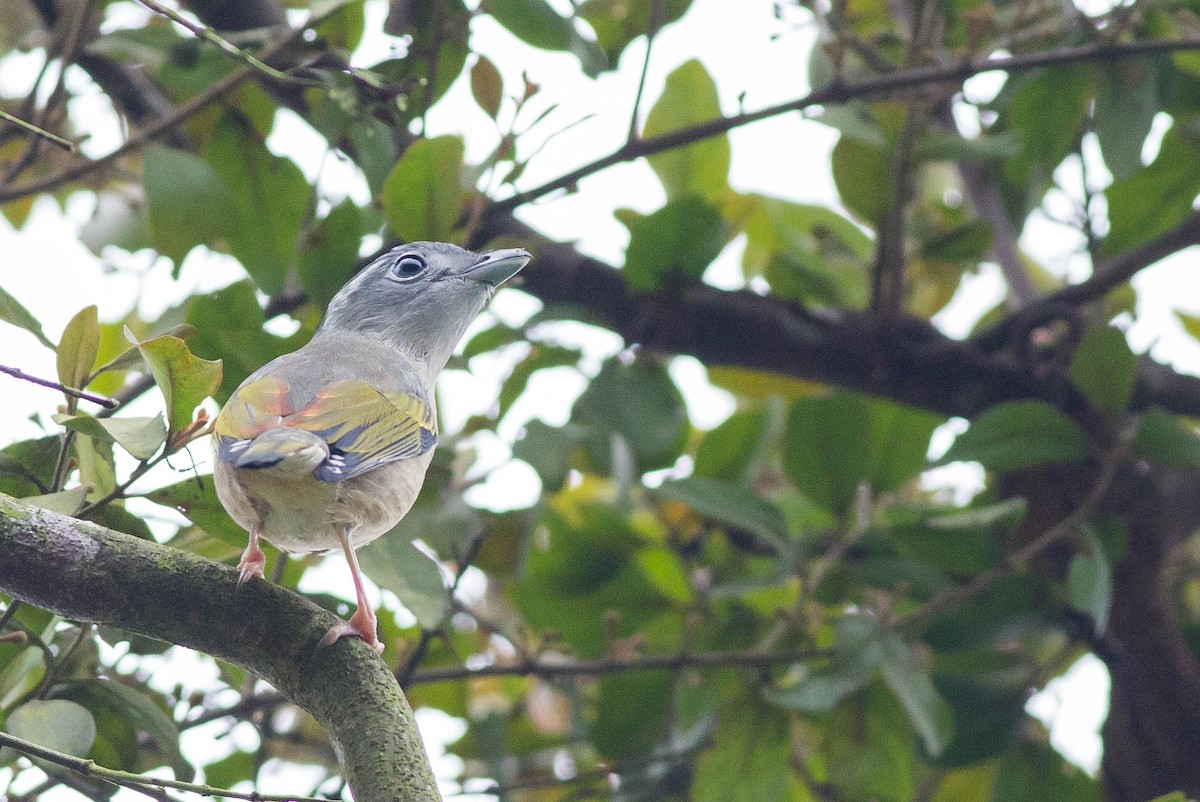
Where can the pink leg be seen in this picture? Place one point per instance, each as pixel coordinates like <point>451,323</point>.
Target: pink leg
<point>362,623</point>
<point>253,560</point>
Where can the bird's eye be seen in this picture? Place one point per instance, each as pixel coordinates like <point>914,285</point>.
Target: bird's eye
<point>408,266</point>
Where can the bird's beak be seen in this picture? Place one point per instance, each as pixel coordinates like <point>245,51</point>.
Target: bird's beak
<point>496,267</point>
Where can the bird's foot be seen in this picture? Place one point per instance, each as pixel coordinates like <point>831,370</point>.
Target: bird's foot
<point>252,564</point>
<point>362,624</point>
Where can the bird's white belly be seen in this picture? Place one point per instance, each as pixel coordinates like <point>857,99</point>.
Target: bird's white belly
<point>304,514</point>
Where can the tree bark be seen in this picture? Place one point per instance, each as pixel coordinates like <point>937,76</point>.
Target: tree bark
<point>88,573</point>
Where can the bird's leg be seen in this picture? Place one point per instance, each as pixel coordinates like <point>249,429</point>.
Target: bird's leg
<point>253,560</point>
<point>363,622</point>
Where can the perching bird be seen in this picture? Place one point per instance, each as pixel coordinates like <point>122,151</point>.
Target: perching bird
<point>328,446</point>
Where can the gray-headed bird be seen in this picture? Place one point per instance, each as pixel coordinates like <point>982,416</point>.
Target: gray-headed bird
<point>328,446</point>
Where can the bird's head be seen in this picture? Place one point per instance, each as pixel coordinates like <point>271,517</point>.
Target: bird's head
<point>421,296</point>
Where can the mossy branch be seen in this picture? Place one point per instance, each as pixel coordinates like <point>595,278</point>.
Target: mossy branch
<point>88,573</point>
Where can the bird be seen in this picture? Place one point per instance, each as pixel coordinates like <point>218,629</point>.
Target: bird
<point>328,446</point>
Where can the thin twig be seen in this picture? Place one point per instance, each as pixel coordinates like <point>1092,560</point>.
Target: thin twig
<point>405,676</point>
<point>65,144</point>
<point>138,782</point>
<point>201,101</point>
<point>841,91</point>
<point>17,373</point>
<point>1021,558</point>
<point>612,665</point>
<point>119,491</point>
<point>209,35</point>
<point>38,129</point>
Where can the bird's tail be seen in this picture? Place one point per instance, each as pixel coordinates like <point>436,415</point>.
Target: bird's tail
<point>284,449</point>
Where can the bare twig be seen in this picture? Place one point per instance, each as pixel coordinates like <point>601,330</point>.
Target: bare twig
<point>1021,558</point>
<point>209,35</point>
<point>613,665</point>
<point>65,144</point>
<point>201,101</point>
<point>841,91</point>
<point>138,782</point>
<point>16,373</point>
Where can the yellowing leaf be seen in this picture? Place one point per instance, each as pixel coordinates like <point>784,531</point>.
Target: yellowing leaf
<point>701,168</point>
<point>184,378</point>
<point>78,349</point>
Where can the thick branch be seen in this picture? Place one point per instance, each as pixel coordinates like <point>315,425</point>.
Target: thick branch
<point>915,364</point>
<point>88,573</point>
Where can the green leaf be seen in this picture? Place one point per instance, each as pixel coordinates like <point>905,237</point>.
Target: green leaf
<point>631,713</point>
<point>857,653</point>
<point>395,564</point>
<point>731,504</point>
<point>1155,198</point>
<point>141,437</point>
<point>184,379</point>
<point>640,402</point>
<point>270,198</point>
<point>727,452</point>
<point>422,196</point>
<point>931,717</point>
<point>22,673</point>
<point>701,168</point>
<point>899,443</point>
<point>749,758</point>
<point>27,466</point>
<point>1164,440</point>
<point>536,23</point>
<point>678,241</point>
<point>869,748</point>
<point>863,175</point>
<point>78,348</point>
<point>966,243</point>
<point>547,449</point>
<point>186,202</point>
<point>1104,369</point>
<point>1018,434</point>
<point>196,500</point>
<point>1126,102</point>
<point>1035,772</point>
<point>11,311</point>
<point>53,723</point>
<point>1090,582</point>
<point>827,448</point>
<point>1048,110</point>
<point>141,712</point>
<point>486,86</point>
<point>64,502</point>
<point>618,22</point>
<point>229,324</point>
<point>330,255</point>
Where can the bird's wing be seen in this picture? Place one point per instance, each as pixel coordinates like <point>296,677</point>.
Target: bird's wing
<point>255,407</point>
<point>365,427</point>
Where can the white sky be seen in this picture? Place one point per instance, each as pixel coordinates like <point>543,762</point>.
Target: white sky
<point>46,269</point>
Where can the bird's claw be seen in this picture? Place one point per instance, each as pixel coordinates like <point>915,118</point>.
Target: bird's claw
<point>252,564</point>
<point>361,624</point>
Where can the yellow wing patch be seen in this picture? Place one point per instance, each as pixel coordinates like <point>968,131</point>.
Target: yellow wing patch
<point>366,427</point>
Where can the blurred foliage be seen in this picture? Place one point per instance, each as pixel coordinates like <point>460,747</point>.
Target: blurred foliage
<point>796,528</point>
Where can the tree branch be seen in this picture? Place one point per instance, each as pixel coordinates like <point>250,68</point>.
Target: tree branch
<point>915,364</point>
<point>87,573</point>
<point>138,782</point>
<point>201,101</point>
<point>547,669</point>
<point>1106,276</point>
<point>840,92</point>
